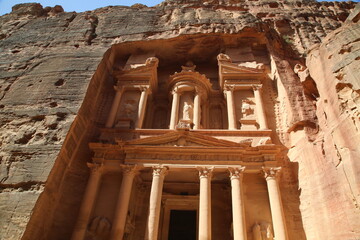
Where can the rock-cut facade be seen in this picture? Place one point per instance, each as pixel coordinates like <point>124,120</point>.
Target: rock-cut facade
<point>191,120</point>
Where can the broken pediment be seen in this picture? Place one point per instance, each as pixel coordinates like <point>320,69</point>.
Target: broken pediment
<point>247,72</point>
<point>183,139</point>
<point>138,74</point>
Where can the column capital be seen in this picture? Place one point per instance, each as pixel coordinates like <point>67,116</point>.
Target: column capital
<point>229,87</point>
<point>95,167</point>
<point>175,90</point>
<point>271,172</point>
<point>160,170</point>
<point>145,88</point>
<point>199,91</point>
<point>129,169</point>
<point>257,87</point>
<point>205,172</point>
<point>236,172</point>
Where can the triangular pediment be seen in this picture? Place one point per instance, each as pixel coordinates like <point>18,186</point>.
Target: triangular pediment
<point>184,139</point>
<point>234,68</point>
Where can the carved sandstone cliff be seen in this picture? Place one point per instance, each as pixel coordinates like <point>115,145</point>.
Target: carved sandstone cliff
<point>55,76</point>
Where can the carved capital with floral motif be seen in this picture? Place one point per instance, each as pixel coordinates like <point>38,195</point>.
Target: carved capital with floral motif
<point>205,172</point>
<point>271,172</point>
<point>159,170</point>
<point>236,172</point>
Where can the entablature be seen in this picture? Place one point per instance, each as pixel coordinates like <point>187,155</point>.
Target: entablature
<point>232,73</point>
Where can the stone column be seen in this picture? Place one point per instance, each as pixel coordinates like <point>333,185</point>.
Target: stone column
<point>155,202</point>
<point>229,92</point>
<point>142,106</point>
<point>174,108</point>
<point>238,211</point>
<point>277,213</point>
<point>88,202</point>
<point>115,106</point>
<point>205,203</point>
<point>117,231</point>
<point>197,110</point>
<point>259,107</point>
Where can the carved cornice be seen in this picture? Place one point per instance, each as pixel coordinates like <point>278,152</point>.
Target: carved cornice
<point>142,74</point>
<point>190,78</point>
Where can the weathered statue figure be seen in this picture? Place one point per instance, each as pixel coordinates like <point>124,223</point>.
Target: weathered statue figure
<point>129,108</point>
<point>246,108</point>
<point>269,233</point>
<point>262,231</point>
<point>187,111</point>
<point>257,232</point>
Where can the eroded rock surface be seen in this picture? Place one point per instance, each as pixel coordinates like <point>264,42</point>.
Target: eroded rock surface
<point>48,60</point>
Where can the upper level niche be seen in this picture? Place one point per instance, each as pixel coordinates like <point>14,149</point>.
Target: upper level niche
<point>221,92</point>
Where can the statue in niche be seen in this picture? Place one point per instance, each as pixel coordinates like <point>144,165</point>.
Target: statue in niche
<point>256,229</point>
<point>187,111</point>
<point>262,231</point>
<point>99,228</point>
<point>129,225</point>
<point>246,108</point>
<point>129,109</point>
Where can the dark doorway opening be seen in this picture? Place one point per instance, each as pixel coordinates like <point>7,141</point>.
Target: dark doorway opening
<point>182,225</point>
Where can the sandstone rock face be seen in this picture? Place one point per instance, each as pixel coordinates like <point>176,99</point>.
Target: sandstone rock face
<point>56,82</point>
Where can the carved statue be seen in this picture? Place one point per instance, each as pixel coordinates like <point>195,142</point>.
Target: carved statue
<point>257,232</point>
<point>269,233</point>
<point>262,231</point>
<point>187,111</point>
<point>129,108</point>
<point>99,228</point>
<point>246,108</point>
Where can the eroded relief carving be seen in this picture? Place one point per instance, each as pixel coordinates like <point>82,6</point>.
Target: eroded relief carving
<point>247,107</point>
<point>99,228</point>
<point>262,231</point>
<point>129,108</point>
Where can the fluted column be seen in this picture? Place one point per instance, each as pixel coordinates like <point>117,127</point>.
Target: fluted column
<point>197,110</point>
<point>277,213</point>
<point>205,203</point>
<point>238,211</point>
<point>117,231</point>
<point>155,202</point>
<point>229,93</point>
<point>174,108</point>
<point>260,111</point>
<point>114,107</point>
<point>89,199</point>
<point>142,106</point>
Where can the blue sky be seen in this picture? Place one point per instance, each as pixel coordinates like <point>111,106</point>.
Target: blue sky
<point>79,5</point>
<point>76,5</point>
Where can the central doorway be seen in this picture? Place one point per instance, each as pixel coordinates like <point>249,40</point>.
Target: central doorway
<point>182,225</point>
